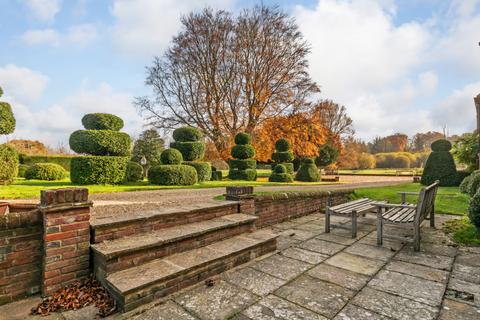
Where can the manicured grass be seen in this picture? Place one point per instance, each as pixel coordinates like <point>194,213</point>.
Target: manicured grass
<point>463,232</point>
<point>449,199</point>
<point>388,172</point>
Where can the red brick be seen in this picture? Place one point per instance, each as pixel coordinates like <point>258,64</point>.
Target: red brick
<point>60,235</point>
<point>75,226</point>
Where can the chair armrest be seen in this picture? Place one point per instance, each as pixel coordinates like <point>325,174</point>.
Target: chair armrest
<point>392,205</point>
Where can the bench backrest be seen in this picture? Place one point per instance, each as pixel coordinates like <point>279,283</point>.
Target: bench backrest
<point>426,201</point>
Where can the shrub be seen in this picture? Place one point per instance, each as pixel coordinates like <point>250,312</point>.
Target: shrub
<point>134,172</point>
<point>474,210</point>
<point>190,150</point>
<point>401,161</point>
<point>149,145</point>
<point>465,150</point>
<point>283,156</point>
<point>243,168</point>
<point>217,176</point>
<point>63,161</point>
<point>45,171</point>
<point>242,164</point>
<point>280,177</point>
<point>441,145</point>
<point>247,174</point>
<point>102,121</point>
<point>327,154</point>
<point>21,170</point>
<point>366,161</point>
<point>440,166</point>
<point>464,186</point>
<point>100,142</point>
<point>7,120</point>
<point>243,138</point>
<point>308,171</point>
<point>243,151</point>
<point>98,170</point>
<point>187,134</point>
<point>8,164</point>
<point>204,170</point>
<point>474,184</point>
<point>282,145</point>
<point>288,165</point>
<point>171,156</point>
<point>172,175</point>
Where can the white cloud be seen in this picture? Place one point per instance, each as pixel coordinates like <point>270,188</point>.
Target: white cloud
<point>22,83</point>
<point>39,37</point>
<point>79,35</point>
<point>44,10</point>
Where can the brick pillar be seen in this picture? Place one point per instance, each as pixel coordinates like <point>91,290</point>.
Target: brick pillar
<point>66,237</point>
<point>247,204</point>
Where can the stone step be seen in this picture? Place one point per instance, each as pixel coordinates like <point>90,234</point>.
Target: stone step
<point>125,224</point>
<point>123,253</point>
<point>142,284</point>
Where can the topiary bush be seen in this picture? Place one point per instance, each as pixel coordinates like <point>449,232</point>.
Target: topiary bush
<point>8,164</point>
<point>243,138</point>
<point>464,186</point>
<point>102,121</point>
<point>187,134</point>
<point>243,167</point>
<point>100,142</point>
<point>474,211</point>
<point>98,170</point>
<point>283,157</point>
<point>327,154</point>
<point>308,171</point>
<point>21,170</point>
<point>247,174</point>
<point>216,175</point>
<point>243,151</point>
<point>7,120</point>
<point>171,156</point>
<point>280,174</point>
<point>288,165</point>
<point>242,164</point>
<point>474,184</point>
<point>172,175</point>
<point>204,170</point>
<point>134,172</point>
<point>45,171</point>
<point>282,145</point>
<point>190,150</point>
<point>440,165</point>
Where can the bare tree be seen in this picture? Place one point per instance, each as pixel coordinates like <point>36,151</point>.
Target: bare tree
<point>335,118</point>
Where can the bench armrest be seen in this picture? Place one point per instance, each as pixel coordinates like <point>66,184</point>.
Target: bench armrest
<point>410,193</point>
<point>392,205</point>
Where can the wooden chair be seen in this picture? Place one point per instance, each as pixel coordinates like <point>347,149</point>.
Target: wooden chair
<point>408,215</point>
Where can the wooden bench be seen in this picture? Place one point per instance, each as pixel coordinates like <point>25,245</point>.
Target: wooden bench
<point>351,209</point>
<point>408,215</point>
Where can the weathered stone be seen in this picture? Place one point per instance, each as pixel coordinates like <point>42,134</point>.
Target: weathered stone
<point>87,313</point>
<point>298,234</point>
<point>286,242</point>
<point>333,237</point>
<point>255,281</point>
<point>273,308</point>
<point>469,259</point>
<point>347,279</point>
<point>281,267</point>
<point>455,310</point>
<point>314,294</point>
<point>466,273</point>
<point>418,271</point>
<point>355,263</point>
<point>392,245</point>
<point>216,302</point>
<point>352,312</point>
<point>421,290</point>
<point>312,226</point>
<point>321,246</point>
<point>435,249</point>
<point>371,252</point>
<point>465,287</point>
<point>166,311</point>
<point>425,259</point>
<point>394,306</point>
<point>304,255</point>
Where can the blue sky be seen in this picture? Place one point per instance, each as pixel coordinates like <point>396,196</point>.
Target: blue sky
<point>398,66</point>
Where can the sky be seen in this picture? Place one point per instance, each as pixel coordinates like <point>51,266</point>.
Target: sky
<point>398,66</point>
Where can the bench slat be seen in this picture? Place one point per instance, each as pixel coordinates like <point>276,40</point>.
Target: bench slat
<point>347,204</point>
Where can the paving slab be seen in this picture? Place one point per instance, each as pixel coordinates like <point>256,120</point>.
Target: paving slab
<point>425,259</point>
<point>337,238</point>
<point>462,286</point>
<point>19,310</point>
<point>421,290</point>
<point>467,273</point>
<point>418,271</point>
<point>371,240</point>
<point>86,313</point>
<point>314,226</point>
<point>298,234</point>
<point>469,259</point>
<point>275,308</point>
<point>352,312</point>
<point>219,301</point>
<point>455,310</point>
<point>379,253</point>
<point>345,278</point>
<point>165,311</point>
<point>255,281</point>
<point>304,255</point>
<point>316,295</point>
<point>393,306</point>
<point>435,249</point>
<point>281,267</point>
<point>286,242</point>
<point>355,263</point>
<point>322,246</point>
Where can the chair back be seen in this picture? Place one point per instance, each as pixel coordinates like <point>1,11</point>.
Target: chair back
<point>426,201</point>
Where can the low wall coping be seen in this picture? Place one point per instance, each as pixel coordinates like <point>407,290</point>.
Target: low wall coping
<point>300,195</point>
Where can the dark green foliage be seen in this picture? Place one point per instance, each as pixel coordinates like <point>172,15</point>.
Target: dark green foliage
<point>185,134</point>
<point>243,151</point>
<point>8,164</point>
<point>441,145</point>
<point>283,156</point>
<point>21,170</point>
<point>100,142</point>
<point>102,121</point>
<point>1,91</point>
<point>282,145</point>
<point>296,163</point>
<point>474,211</point>
<point>280,168</point>
<point>327,154</point>
<point>474,184</point>
<point>172,175</point>
<point>242,164</point>
<point>464,186</point>
<point>149,145</point>
<point>98,170</point>
<point>280,174</point>
<point>7,120</point>
<point>134,172</point>
<point>308,171</point>
<point>243,138</point>
<point>288,165</point>
<point>191,150</point>
<point>45,171</point>
<point>247,174</point>
<point>171,156</point>
<point>440,166</point>
<point>64,161</point>
<point>465,150</point>
<point>204,170</point>
<point>217,176</point>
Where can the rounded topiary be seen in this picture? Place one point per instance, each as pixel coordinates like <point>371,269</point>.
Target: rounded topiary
<point>204,170</point>
<point>7,120</point>
<point>22,168</point>
<point>100,142</point>
<point>45,171</point>
<point>474,184</point>
<point>190,150</point>
<point>440,166</point>
<point>474,211</point>
<point>283,156</point>
<point>8,164</point>
<point>243,138</point>
<point>98,170</point>
<point>171,156</point>
<point>170,175</point>
<point>247,174</point>
<point>288,165</point>
<point>102,121</point>
<point>282,145</point>
<point>243,167</point>
<point>280,174</point>
<point>243,151</point>
<point>308,171</point>
<point>464,186</point>
<point>242,164</point>
<point>134,172</point>
<point>187,134</point>
<point>280,169</point>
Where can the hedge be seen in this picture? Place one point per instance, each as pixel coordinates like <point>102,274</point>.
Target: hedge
<point>190,150</point>
<point>171,156</point>
<point>464,186</point>
<point>242,164</point>
<point>440,166</point>
<point>204,170</point>
<point>21,170</point>
<point>45,171</point>
<point>8,164</point>
<point>7,120</point>
<point>247,174</point>
<point>243,138</point>
<point>474,184</point>
<point>283,156</point>
<point>98,170</point>
<point>187,134</point>
<point>308,171</point>
<point>134,172</point>
<point>102,121</point>
<point>63,161</point>
<point>288,165</point>
<point>243,151</point>
<point>474,211</point>
<point>169,175</point>
<point>217,176</point>
<point>100,142</point>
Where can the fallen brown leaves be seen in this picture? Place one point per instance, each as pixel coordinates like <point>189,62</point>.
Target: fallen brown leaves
<point>78,295</point>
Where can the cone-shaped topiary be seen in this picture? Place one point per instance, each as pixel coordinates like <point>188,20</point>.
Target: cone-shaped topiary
<point>243,167</point>
<point>283,155</point>
<point>440,165</point>
<point>8,155</point>
<point>188,142</point>
<point>108,150</point>
<point>308,171</point>
<point>280,174</point>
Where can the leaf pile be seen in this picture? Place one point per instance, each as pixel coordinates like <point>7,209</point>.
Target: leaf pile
<point>78,295</point>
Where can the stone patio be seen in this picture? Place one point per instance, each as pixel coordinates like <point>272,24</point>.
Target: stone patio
<point>331,276</point>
